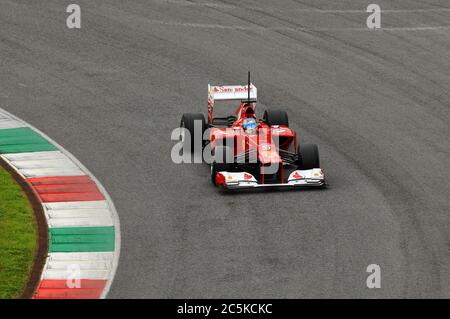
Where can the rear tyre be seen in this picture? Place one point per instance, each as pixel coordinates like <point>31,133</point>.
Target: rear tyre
<point>308,156</point>
<point>192,143</point>
<point>276,117</point>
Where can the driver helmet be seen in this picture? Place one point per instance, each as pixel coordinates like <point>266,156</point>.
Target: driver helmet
<point>249,125</point>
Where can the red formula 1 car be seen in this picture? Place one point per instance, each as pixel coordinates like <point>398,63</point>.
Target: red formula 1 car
<point>247,152</point>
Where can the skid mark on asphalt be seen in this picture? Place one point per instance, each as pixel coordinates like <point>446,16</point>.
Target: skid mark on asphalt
<point>302,29</point>
<point>299,10</point>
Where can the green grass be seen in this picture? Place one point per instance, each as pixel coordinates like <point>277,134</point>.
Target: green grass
<point>17,237</point>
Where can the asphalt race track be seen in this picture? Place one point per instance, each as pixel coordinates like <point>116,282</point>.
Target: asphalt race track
<point>376,103</point>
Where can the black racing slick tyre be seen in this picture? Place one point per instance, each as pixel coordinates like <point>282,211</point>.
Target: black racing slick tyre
<point>192,137</point>
<point>276,117</point>
<point>309,156</point>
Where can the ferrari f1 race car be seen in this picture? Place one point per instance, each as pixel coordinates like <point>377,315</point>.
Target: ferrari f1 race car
<point>246,152</point>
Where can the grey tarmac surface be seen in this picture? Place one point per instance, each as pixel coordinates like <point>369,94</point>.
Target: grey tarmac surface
<point>376,102</point>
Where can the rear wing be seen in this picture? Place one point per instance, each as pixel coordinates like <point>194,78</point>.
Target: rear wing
<point>229,93</point>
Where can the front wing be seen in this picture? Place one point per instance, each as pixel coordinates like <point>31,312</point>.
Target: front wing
<point>298,178</point>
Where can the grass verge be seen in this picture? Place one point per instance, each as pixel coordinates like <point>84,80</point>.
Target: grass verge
<point>17,237</point>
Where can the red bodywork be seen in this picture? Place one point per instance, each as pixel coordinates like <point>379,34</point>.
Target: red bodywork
<point>266,141</point>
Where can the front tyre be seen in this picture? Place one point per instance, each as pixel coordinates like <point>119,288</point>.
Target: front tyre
<point>308,156</point>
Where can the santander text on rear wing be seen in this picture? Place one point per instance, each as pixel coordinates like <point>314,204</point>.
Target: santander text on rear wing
<point>231,92</point>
